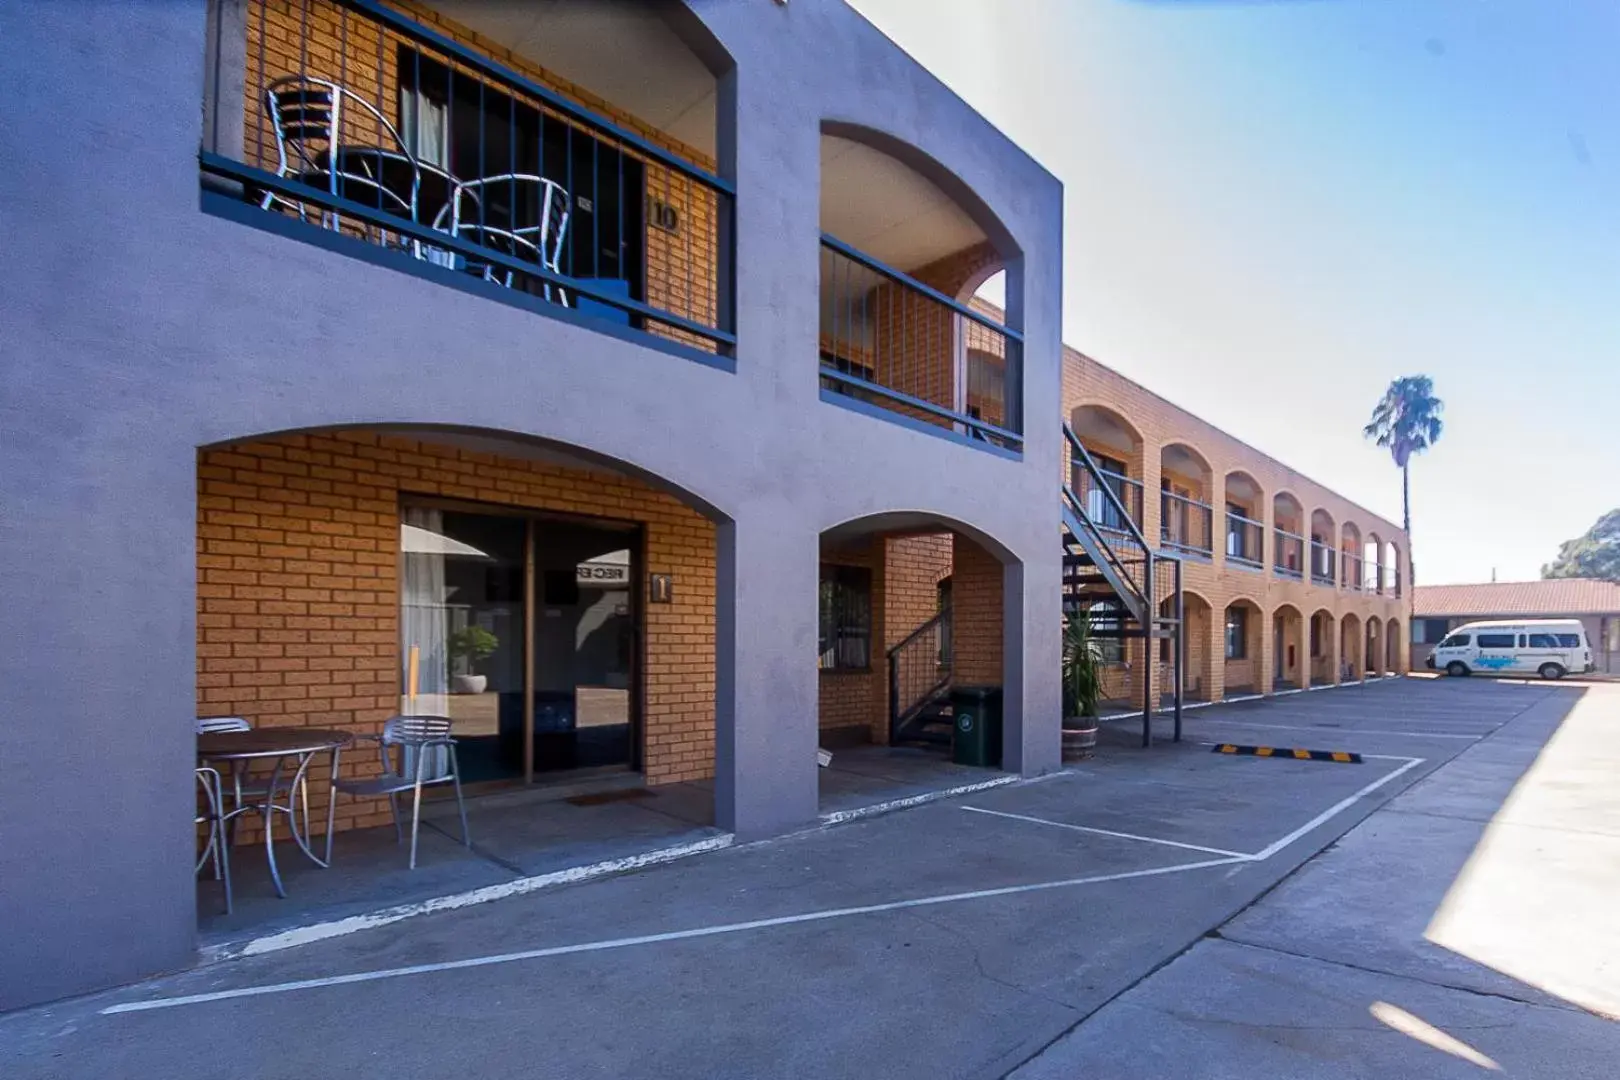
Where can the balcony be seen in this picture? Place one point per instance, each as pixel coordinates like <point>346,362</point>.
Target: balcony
<point>399,136</point>
<point>1186,525</point>
<point>1288,554</point>
<point>1350,571</point>
<point>1245,542</point>
<point>1099,508</point>
<point>1324,565</point>
<point>898,345</point>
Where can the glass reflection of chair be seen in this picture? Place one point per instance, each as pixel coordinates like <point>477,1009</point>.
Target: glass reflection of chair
<point>478,212</point>
<point>216,850</point>
<point>416,751</point>
<point>310,118</point>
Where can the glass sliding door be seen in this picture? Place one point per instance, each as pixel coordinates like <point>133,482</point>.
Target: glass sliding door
<point>462,632</point>
<point>586,643</point>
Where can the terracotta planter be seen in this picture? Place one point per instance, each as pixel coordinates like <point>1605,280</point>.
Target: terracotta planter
<point>1079,737</point>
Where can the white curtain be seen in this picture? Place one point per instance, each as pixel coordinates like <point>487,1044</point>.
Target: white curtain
<point>423,614</point>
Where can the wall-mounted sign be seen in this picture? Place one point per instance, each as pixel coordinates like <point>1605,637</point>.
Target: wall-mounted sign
<point>660,589</point>
<point>665,216</point>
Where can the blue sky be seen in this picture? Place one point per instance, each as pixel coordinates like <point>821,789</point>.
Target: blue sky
<point>1276,206</point>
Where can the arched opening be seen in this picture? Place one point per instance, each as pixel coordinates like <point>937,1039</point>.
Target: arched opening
<point>1245,521</point>
<point>1116,448</point>
<point>905,248</point>
<point>1288,536</point>
<point>1324,549</point>
<point>910,614</point>
<point>1241,648</point>
<point>1350,572</point>
<point>1289,649</point>
<point>1186,519</point>
<point>1198,656</point>
<point>1351,668</point>
<point>555,606</point>
<point>1374,653</point>
<point>1394,661</point>
<point>1372,556</point>
<point>1323,652</point>
<point>1392,564</point>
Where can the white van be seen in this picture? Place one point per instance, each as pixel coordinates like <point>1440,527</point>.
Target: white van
<point>1552,648</point>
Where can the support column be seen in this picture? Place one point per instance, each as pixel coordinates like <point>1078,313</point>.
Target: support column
<point>1215,647</point>
<point>1335,637</point>
<point>765,779</point>
<point>1302,652</point>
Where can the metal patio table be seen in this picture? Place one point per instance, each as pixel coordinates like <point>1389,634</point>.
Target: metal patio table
<point>302,745</point>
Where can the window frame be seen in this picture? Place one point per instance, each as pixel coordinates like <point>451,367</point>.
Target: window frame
<point>1241,652</point>
<point>1496,641</point>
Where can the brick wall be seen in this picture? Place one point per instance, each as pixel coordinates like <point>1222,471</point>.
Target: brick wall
<point>976,588</point>
<point>326,40</point>
<point>298,592</point>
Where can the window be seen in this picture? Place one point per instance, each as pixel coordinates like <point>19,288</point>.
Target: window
<point>1428,631</point>
<point>1105,627</point>
<point>1544,641</point>
<point>1237,633</point>
<point>1567,641</point>
<point>1455,641</point>
<point>846,619</point>
<point>1496,641</point>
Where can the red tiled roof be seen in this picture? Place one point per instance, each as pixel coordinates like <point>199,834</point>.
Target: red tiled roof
<point>1560,596</point>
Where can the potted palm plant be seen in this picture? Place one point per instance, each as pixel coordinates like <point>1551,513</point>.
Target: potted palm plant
<point>471,644</point>
<point>1082,686</point>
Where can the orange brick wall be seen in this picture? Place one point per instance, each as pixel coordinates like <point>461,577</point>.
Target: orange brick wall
<point>914,567</point>
<point>297,584</point>
<point>325,40</point>
<point>976,587</point>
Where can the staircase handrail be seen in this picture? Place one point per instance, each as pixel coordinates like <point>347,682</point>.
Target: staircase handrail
<point>1079,451</point>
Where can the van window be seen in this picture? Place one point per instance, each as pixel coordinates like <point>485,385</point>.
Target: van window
<point>1568,641</point>
<point>1455,641</point>
<point>1543,641</point>
<point>1496,641</point>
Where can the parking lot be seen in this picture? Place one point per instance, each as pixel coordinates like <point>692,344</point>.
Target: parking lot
<point>963,938</point>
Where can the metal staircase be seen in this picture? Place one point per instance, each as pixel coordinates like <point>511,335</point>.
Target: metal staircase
<point>1113,579</point>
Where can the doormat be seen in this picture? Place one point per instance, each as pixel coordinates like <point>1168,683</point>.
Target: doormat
<point>602,798</point>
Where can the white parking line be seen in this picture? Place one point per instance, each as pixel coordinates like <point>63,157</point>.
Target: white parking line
<point>1338,807</point>
<point>1349,731</point>
<point>645,939</point>
<point>1108,832</point>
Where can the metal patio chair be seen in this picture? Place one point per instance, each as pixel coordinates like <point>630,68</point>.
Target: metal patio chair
<point>416,751</point>
<point>477,212</point>
<point>308,118</point>
<point>216,850</point>
<point>255,789</point>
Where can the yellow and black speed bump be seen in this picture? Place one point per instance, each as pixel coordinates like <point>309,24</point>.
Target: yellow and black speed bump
<point>1341,756</point>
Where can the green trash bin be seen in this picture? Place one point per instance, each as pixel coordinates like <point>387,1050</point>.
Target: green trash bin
<point>976,734</point>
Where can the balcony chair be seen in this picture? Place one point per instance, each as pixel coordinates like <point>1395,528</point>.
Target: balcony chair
<point>315,123</point>
<point>486,211</point>
<point>425,754</point>
<point>216,850</point>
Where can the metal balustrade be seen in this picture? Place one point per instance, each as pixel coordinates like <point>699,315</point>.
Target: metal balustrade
<point>1324,563</point>
<point>894,343</point>
<point>1117,514</point>
<point>1245,541</point>
<point>1288,558</point>
<point>1186,524</point>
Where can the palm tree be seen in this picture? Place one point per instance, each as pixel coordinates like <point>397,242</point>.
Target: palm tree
<point>1406,421</point>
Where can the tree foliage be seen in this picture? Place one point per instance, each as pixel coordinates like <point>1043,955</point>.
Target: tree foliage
<point>1593,554</point>
<point>1406,420</point>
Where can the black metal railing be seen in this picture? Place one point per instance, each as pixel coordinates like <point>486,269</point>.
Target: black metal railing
<point>1186,524</point>
<point>1288,554</point>
<point>1324,563</point>
<point>891,341</point>
<point>1112,514</point>
<point>919,672</point>
<point>1121,556</point>
<point>368,125</point>
<point>1350,571</point>
<point>1245,541</point>
<point>1377,577</point>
